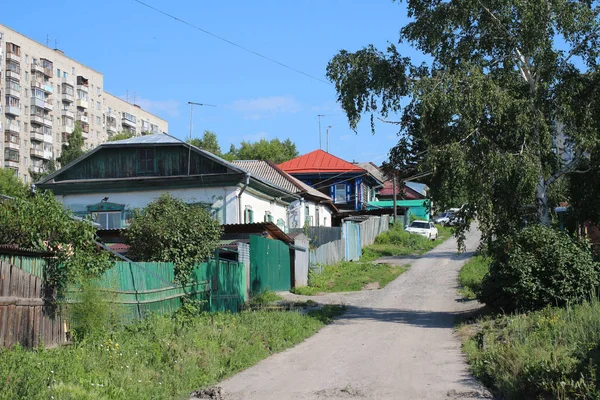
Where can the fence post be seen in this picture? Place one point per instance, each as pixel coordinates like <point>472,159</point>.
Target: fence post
<point>137,300</point>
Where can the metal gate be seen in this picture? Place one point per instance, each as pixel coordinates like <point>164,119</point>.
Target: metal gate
<point>352,232</point>
<point>269,265</point>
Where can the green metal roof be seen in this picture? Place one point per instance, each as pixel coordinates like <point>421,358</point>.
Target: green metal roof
<point>372,205</point>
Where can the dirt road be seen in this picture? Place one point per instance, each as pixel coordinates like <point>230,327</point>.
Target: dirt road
<point>394,343</point>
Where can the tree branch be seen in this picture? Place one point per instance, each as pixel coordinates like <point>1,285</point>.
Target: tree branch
<point>579,45</point>
<point>567,168</point>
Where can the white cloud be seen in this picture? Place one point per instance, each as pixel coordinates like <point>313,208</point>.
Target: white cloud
<point>167,107</point>
<point>258,107</point>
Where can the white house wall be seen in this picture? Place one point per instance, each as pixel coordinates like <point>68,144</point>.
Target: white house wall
<point>260,205</point>
<point>139,199</point>
<point>298,214</point>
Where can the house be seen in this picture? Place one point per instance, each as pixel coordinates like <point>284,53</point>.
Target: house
<point>349,186</point>
<point>116,177</point>
<point>313,208</point>
<point>408,191</point>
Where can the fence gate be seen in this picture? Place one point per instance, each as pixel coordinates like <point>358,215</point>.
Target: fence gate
<point>353,250</point>
<point>269,265</point>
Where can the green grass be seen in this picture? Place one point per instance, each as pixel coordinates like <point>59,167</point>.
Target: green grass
<point>265,297</point>
<point>553,353</point>
<point>471,276</point>
<point>397,242</point>
<point>349,276</point>
<point>158,358</point>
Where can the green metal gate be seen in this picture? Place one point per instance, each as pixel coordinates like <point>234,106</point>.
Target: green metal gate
<point>269,265</point>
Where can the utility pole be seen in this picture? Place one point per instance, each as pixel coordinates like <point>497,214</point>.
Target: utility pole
<point>320,115</point>
<point>394,191</point>
<point>327,139</point>
<point>192,104</point>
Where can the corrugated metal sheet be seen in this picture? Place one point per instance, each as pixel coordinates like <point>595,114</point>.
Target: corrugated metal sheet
<point>160,138</point>
<point>373,170</point>
<point>318,161</point>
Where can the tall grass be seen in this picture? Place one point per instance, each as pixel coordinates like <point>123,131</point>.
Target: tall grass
<point>471,275</point>
<point>154,358</point>
<point>398,242</point>
<point>553,353</point>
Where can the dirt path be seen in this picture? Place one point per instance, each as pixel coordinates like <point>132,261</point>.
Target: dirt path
<point>394,343</point>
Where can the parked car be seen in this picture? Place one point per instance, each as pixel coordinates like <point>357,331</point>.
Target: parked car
<point>423,228</point>
<point>444,218</point>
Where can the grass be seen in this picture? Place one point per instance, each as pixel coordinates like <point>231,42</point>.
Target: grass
<point>471,275</point>
<point>349,276</point>
<point>158,358</point>
<point>265,297</point>
<point>397,242</point>
<point>553,353</point>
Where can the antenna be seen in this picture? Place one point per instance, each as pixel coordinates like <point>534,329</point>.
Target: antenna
<point>327,143</point>
<point>56,43</point>
<point>47,40</point>
<point>319,116</point>
<point>192,104</point>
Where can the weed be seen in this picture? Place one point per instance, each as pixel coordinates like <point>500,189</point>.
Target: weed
<point>265,297</point>
<point>154,358</point>
<point>327,313</point>
<point>471,275</point>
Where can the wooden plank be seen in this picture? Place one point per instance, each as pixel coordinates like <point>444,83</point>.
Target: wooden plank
<point>10,329</point>
<point>36,325</point>
<point>3,320</point>
<point>19,301</point>
<point>14,281</point>
<point>16,325</point>
<point>5,271</point>
<point>31,326</point>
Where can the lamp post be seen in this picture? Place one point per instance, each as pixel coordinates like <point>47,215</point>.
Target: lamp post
<point>192,104</point>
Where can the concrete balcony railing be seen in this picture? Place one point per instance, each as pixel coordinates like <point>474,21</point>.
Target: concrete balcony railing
<point>36,119</point>
<point>111,129</point>
<point>48,88</point>
<point>37,68</point>
<point>36,135</point>
<point>12,128</point>
<point>67,113</point>
<point>11,164</point>
<point>48,71</point>
<point>48,106</point>
<point>13,57</point>
<point>11,145</point>
<point>48,122</point>
<point>126,122</point>
<point>12,111</point>
<point>68,97</point>
<point>39,153</point>
<point>83,118</point>
<point>13,92</point>
<point>35,101</point>
<point>13,75</point>
<point>67,129</point>
<point>82,103</point>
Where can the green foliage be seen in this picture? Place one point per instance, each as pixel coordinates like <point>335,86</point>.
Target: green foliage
<point>40,222</point>
<point>349,276</point>
<point>272,150</point>
<point>505,79</point>
<point>11,185</point>
<point>120,136</point>
<point>327,312</point>
<point>584,190</point>
<point>398,242</point>
<point>208,142</point>
<point>265,297</point>
<point>169,230</point>
<point>471,276</point>
<point>548,354</point>
<point>155,358</point>
<point>92,312</point>
<point>73,149</point>
<point>539,267</point>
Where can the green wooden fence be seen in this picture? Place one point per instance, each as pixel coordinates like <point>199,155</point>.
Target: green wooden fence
<point>144,287</point>
<point>269,265</point>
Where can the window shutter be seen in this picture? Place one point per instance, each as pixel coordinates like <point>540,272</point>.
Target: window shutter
<point>332,192</point>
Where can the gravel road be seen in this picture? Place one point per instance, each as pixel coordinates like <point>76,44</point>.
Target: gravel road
<point>393,343</point>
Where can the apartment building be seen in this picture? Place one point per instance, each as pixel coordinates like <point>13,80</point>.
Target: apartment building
<point>44,94</point>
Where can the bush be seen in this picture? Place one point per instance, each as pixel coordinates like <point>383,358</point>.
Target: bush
<point>537,267</point>
<point>471,276</point>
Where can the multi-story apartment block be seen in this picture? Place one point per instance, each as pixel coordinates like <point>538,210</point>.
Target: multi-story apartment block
<point>44,94</point>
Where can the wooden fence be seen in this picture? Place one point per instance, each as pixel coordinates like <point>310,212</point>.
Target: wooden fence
<point>139,288</point>
<point>24,317</point>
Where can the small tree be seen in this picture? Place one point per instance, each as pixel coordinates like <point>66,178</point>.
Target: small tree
<point>274,150</point>
<point>120,136</point>
<point>10,185</point>
<point>73,149</point>
<point>41,223</point>
<point>169,230</point>
<point>208,142</point>
<point>48,168</point>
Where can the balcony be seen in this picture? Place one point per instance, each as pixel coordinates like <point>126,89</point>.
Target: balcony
<point>48,105</point>
<point>39,153</point>
<point>11,145</point>
<point>67,113</point>
<point>12,164</point>
<point>47,122</point>
<point>67,97</point>
<point>67,130</point>
<point>37,68</point>
<point>82,103</point>
<point>47,71</point>
<point>82,117</point>
<point>111,129</point>
<point>127,122</point>
<point>36,119</point>
<point>48,88</point>
<point>85,135</point>
<point>36,135</point>
<point>12,111</point>
<point>83,88</point>
<point>13,92</point>
<point>13,74</point>
<point>14,128</point>
<point>36,101</point>
<point>13,57</point>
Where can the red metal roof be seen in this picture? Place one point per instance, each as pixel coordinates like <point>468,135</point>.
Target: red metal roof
<point>406,193</point>
<point>318,161</point>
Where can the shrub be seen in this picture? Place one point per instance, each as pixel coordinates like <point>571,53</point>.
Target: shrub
<point>537,267</point>
<point>471,276</point>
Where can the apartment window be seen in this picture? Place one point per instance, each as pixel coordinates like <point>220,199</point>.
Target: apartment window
<point>65,74</point>
<point>340,193</point>
<point>146,161</point>
<point>25,124</point>
<point>57,73</point>
<point>73,70</point>
<point>26,76</point>
<point>26,160</point>
<point>98,91</point>
<point>26,92</point>
<point>26,59</point>
<point>98,120</point>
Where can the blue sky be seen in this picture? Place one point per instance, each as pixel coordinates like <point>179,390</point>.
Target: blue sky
<point>167,63</point>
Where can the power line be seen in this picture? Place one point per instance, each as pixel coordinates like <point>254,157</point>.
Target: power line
<point>232,43</point>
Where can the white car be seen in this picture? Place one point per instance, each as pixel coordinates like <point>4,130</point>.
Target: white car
<point>423,228</point>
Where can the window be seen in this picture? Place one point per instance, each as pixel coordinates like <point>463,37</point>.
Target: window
<point>98,120</point>
<point>340,193</point>
<point>26,59</point>
<point>25,124</point>
<point>268,217</point>
<point>73,70</point>
<point>26,76</point>
<point>99,91</point>
<point>307,217</point>
<point>57,73</point>
<point>108,220</point>
<point>146,161</point>
<point>97,105</point>
<point>65,74</point>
